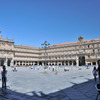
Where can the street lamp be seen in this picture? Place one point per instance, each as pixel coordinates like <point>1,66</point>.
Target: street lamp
<point>45,45</point>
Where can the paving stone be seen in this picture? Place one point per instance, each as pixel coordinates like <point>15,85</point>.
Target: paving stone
<point>29,84</point>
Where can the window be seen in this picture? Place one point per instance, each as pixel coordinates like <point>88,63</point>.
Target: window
<point>88,46</point>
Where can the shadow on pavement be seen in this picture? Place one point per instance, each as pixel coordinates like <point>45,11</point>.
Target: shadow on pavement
<point>82,91</point>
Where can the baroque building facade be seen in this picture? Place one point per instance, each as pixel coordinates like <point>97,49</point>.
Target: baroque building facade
<point>82,52</point>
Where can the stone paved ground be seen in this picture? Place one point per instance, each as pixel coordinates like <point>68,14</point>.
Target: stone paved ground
<point>32,84</point>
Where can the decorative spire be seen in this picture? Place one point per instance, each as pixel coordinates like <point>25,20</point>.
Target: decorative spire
<point>80,38</point>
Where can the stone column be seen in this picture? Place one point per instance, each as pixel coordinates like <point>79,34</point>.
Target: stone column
<point>48,63</point>
<point>72,63</point>
<point>25,63</point>
<point>64,63</point>
<point>77,61</point>
<point>42,63</point>
<point>12,64</point>
<point>38,63</point>
<point>86,63</point>
<point>54,63</point>
<point>28,63</point>
<point>19,62</point>
<point>33,63</point>
<point>16,63</point>
<point>22,63</point>
<point>91,63</point>
<point>68,63</point>
<point>61,63</point>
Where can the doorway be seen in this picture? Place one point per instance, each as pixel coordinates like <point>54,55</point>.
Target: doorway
<point>8,62</point>
<point>81,60</point>
<point>2,62</point>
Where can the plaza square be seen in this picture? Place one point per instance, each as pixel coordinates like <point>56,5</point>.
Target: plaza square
<point>34,84</point>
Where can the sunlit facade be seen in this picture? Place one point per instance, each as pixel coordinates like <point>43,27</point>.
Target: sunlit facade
<point>81,52</point>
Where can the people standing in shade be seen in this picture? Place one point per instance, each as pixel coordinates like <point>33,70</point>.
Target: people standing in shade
<point>94,73</point>
<point>49,67</point>
<point>4,76</point>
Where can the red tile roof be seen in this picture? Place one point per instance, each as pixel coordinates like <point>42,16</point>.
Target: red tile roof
<point>74,42</point>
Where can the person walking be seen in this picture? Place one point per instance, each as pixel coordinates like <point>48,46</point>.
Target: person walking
<point>53,68</point>
<point>4,77</point>
<point>94,73</point>
<point>38,67</point>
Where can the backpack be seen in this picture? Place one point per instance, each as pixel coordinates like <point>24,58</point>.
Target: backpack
<point>4,73</point>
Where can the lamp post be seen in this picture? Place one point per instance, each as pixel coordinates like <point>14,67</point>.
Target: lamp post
<point>45,45</point>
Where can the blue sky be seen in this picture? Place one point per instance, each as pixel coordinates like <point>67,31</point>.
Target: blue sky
<point>31,22</point>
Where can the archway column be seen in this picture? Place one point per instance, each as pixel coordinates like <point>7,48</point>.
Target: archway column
<point>42,63</point>
<point>48,63</point>
<point>11,64</point>
<point>19,62</point>
<point>22,63</point>
<point>33,63</point>
<point>54,63</point>
<point>64,63</point>
<point>38,63</point>
<point>61,63</point>
<point>86,63</point>
<point>91,63</point>
<point>57,63</point>
<point>77,61</point>
<point>25,63</point>
<point>72,63</point>
<point>68,63</point>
